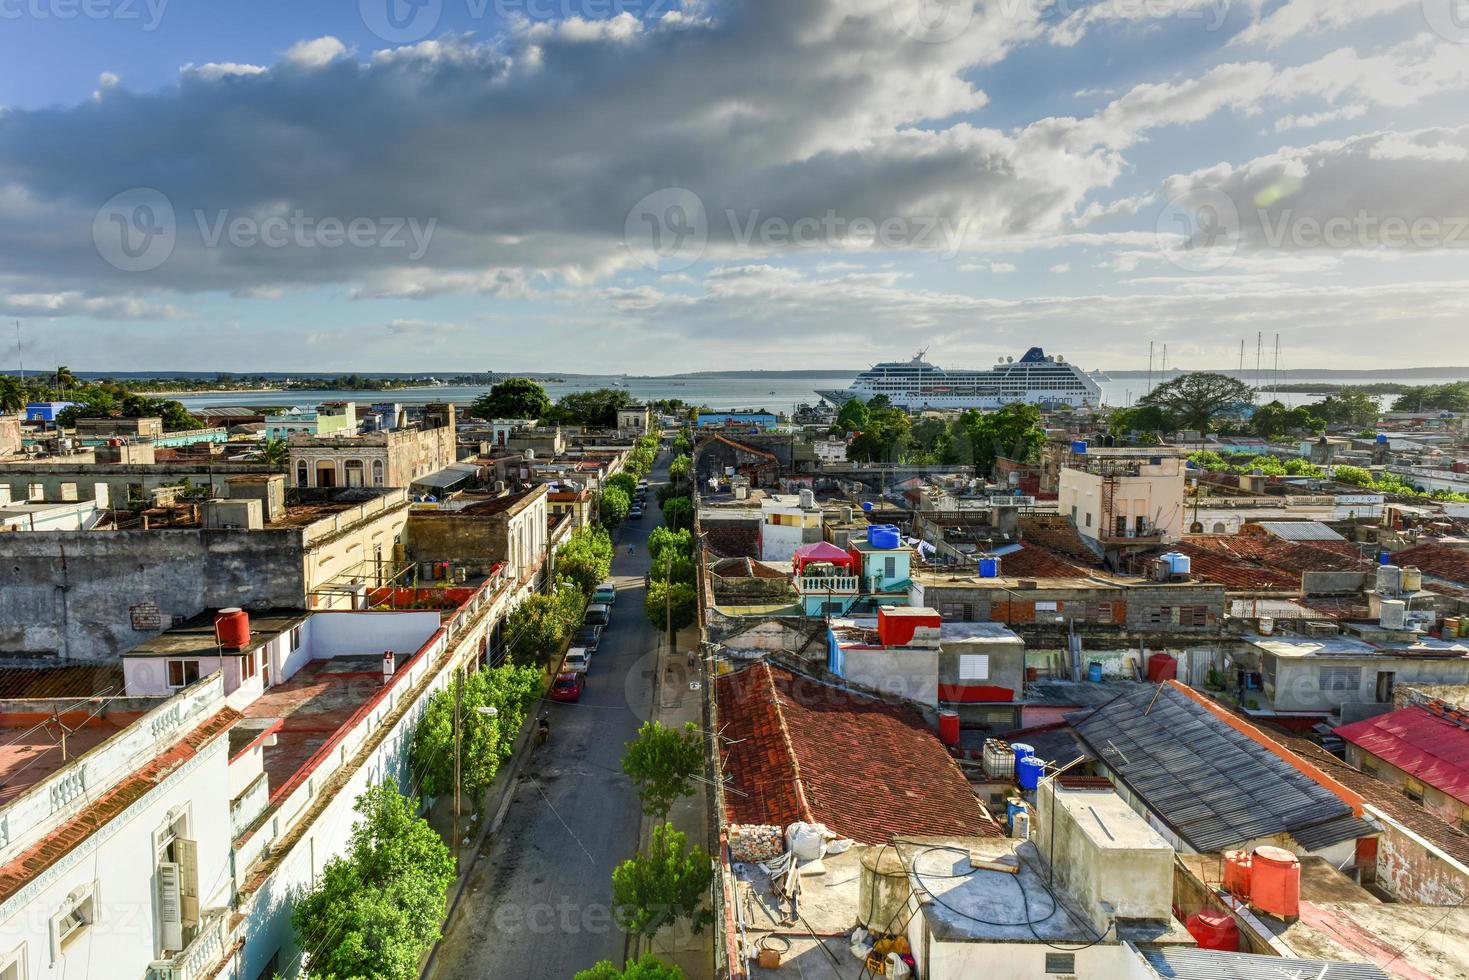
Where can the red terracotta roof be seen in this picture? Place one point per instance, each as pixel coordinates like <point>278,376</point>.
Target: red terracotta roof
<point>1428,742</point>
<point>1262,562</point>
<point>1033,561</point>
<point>1437,560</point>
<point>1056,533</point>
<point>111,803</point>
<point>800,749</point>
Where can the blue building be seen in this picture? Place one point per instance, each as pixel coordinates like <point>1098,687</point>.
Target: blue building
<point>44,413</point>
<point>763,420</point>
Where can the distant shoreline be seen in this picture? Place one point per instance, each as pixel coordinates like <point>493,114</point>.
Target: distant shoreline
<point>191,392</point>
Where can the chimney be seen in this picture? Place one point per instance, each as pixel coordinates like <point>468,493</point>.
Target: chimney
<point>388,667</point>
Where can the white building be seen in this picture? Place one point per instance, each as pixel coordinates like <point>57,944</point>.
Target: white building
<point>1118,497</point>
<point>788,521</point>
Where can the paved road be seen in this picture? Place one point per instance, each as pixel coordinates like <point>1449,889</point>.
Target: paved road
<point>539,899</point>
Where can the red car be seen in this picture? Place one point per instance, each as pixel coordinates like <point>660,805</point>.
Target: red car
<point>568,686</point>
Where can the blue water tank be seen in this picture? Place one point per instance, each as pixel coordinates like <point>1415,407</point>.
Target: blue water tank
<point>989,568</point>
<point>1021,750</point>
<point>1094,672</point>
<point>867,506</point>
<point>1381,439</point>
<point>1384,558</point>
<point>1028,772</point>
<point>1012,807</point>
<point>1078,446</point>
<point>883,536</point>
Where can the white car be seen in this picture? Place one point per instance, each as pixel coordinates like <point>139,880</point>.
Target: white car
<point>577,661</point>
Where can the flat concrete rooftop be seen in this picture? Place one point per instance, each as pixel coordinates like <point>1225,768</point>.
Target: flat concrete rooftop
<point>195,637</point>
<point>31,751</point>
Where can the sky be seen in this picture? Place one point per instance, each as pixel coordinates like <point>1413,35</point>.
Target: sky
<point>653,186</point>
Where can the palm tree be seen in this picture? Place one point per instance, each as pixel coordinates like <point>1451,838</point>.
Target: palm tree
<point>275,452</point>
<point>63,377</point>
<point>12,395</point>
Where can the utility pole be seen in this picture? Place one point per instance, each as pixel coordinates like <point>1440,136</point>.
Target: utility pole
<point>1150,367</point>
<point>1259,353</point>
<point>458,738</point>
<point>668,605</point>
<point>20,355</point>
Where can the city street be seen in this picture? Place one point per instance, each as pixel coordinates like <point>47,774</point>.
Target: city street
<point>539,898</point>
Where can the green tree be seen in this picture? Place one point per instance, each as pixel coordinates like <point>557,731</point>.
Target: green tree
<point>625,482</point>
<point>538,627</point>
<point>853,416</point>
<point>1353,406</point>
<point>662,538</point>
<point>678,512</point>
<point>1452,397</point>
<point>884,440</point>
<point>1145,420</point>
<point>63,379</point>
<point>595,409</point>
<point>486,740</point>
<point>1196,400</point>
<point>513,398</point>
<point>586,557</point>
<point>667,883</point>
<point>275,452</point>
<point>613,506</point>
<point>676,600</point>
<point>664,764</point>
<point>647,968</point>
<point>1013,431</point>
<point>13,395</point>
<point>682,444</point>
<point>679,469</point>
<point>1274,419</point>
<point>1354,475</point>
<point>375,910</point>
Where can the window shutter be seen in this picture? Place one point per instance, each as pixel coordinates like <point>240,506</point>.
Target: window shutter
<point>187,852</point>
<point>169,909</point>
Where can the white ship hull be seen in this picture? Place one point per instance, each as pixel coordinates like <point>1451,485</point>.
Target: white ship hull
<point>918,402</point>
<point>1034,379</point>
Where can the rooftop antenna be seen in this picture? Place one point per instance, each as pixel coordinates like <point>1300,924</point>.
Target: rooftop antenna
<point>1276,388</point>
<point>1150,367</point>
<point>20,355</point>
<point>1259,352</point>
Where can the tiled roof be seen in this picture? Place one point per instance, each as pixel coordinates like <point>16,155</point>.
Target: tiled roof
<point>111,803</point>
<point>1427,744</point>
<point>1256,561</point>
<point>800,749</point>
<point>1057,534</point>
<point>75,681</point>
<point>733,542</point>
<point>1034,561</point>
<point>1217,781</point>
<point>1437,560</point>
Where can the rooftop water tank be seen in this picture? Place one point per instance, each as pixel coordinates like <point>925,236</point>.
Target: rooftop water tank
<point>1394,614</point>
<point>1021,750</point>
<point>1389,580</point>
<point>232,628</point>
<point>883,536</point>
<point>989,568</point>
<point>1275,882</point>
<point>1214,930</point>
<point>1078,446</point>
<point>1412,580</point>
<point>949,727</point>
<point>1237,873</point>
<point>1028,772</point>
<point>882,888</point>
<point>867,506</point>
<point>1162,667</point>
<point>1381,439</point>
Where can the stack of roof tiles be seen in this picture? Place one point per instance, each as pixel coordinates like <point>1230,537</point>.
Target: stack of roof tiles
<point>798,749</point>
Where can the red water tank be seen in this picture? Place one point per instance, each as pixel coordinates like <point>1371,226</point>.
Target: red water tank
<point>1214,930</point>
<point>1237,873</point>
<point>1162,667</point>
<point>896,624</point>
<point>949,727</point>
<point>232,628</point>
<point>1275,882</point>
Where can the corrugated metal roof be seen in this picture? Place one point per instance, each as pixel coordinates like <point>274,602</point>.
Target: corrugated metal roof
<point>1300,530</point>
<point>1177,963</point>
<point>1427,744</point>
<point>1215,786</point>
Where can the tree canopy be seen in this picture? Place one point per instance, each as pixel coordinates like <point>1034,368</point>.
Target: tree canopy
<point>1274,419</point>
<point>585,558</point>
<point>1348,406</point>
<point>613,506</point>
<point>647,968</point>
<point>487,741</point>
<point>540,625</point>
<point>884,439</point>
<point>852,416</point>
<point>1195,401</point>
<point>513,398</point>
<point>681,603</point>
<point>596,409</point>
<point>1012,431</point>
<point>1452,397</point>
<point>664,764</point>
<point>666,883</point>
<point>376,909</point>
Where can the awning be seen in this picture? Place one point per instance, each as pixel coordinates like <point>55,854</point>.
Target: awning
<point>820,551</point>
<point>450,476</point>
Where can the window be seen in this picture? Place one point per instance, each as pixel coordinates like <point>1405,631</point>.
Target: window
<point>182,673</point>
<point>1159,615</point>
<point>1100,612</point>
<point>1339,678</point>
<point>1088,518</point>
<point>974,667</point>
<point>248,666</point>
<point>377,472</point>
<point>957,611</point>
<point>295,638</point>
<point>13,965</point>
<point>1060,962</point>
<point>302,473</point>
<point>1413,790</point>
<point>75,917</point>
<point>352,471</point>
<point>889,567</point>
<point>1193,616</point>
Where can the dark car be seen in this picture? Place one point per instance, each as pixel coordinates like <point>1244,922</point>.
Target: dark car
<point>589,637</point>
<point>568,687</point>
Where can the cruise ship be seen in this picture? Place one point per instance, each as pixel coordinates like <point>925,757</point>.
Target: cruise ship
<point>1037,378</point>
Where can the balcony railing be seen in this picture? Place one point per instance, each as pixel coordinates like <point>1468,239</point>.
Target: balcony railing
<point>203,954</point>
<point>827,585</point>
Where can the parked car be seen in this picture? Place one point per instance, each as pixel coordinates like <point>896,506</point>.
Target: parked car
<point>606,592</point>
<point>598,614</point>
<point>568,686</point>
<point>589,637</point>
<point>636,514</point>
<point>577,661</point>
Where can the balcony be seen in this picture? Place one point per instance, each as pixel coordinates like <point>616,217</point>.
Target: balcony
<point>202,956</point>
<point>827,585</point>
